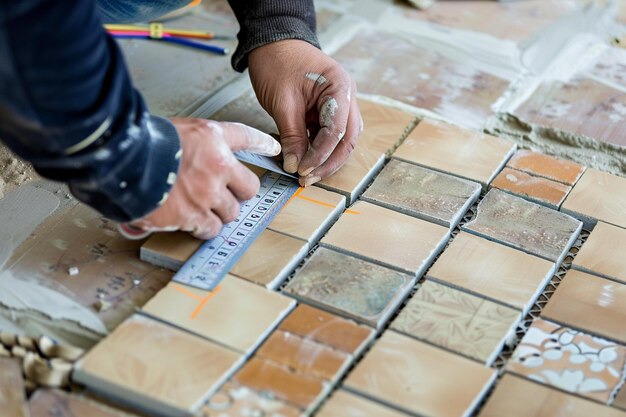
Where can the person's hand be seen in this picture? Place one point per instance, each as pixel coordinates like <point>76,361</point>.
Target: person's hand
<point>313,102</point>
<point>211,182</point>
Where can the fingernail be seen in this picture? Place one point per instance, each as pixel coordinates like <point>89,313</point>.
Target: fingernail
<point>277,148</point>
<point>311,180</point>
<point>290,163</point>
<point>307,172</point>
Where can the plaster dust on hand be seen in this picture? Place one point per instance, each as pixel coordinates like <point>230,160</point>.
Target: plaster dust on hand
<point>13,171</point>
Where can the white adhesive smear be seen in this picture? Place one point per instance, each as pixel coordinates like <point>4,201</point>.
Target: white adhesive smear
<point>318,78</point>
<point>328,112</point>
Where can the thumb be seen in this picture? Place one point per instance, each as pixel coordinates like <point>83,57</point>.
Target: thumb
<point>240,137</point>
<point>291,125</point>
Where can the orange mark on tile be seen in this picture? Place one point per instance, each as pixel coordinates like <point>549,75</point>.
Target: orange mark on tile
<point>202,300</point>
<point>296,194</point>
<point>312,200</point>
<point>348,211</point>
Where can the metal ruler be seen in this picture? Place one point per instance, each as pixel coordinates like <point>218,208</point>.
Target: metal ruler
<point>212,261</point>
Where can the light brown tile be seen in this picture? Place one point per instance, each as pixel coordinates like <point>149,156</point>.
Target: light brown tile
<point>589,303</point>
<point>388,237</point>
<point>12,391</point>
<point>169,250</point>
<point>423,193</point>
<point>349,286</point>
<point>327,329</point>
<point>270,259</point>
<point>156,367</point>
<point>343,403</point>
<point>308,214</point>
<point>57,403</point>
<point>304,355</point>
<point>541,165</point>
<point>236,313</point>
<point>420,378</point>
<point>598,195</point>
<point>524,225</point>
<point>620,399</point>
<point>602,253</point>
<point>537,189</point>
<point>384,127</point>
<point>457,151</point>
<point>457,321</point>
<point>492,270</point>
<point>518,397</point>
<point>234,400</point>
<point>569,360</point>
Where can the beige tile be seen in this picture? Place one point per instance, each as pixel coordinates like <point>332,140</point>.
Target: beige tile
<point>270,259</point>
<point>349,286</point>
<point>457,321</point>
<point>237,313</point>
<point>598,195</point>
<point>308,214</point>
<point>492,270</point>
<point>620,398</point>
<point>12,391</point>
<point>391,238</point>
<point>537,189</point>
<point>518,397</point>
<point>541,165</point>
<point>569,360</point>
<point>602,253</point>
<point>420,378</point>
<point>384,127</point>
<point>156,367</point>
<point>344,404</point>
<point>57,403</point>
<point>169,250</point>
<point>589,303</point>
<point>454,150</point>
<point>234,400</point>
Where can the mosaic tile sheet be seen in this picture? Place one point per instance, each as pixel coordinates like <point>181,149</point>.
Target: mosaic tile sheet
<point>234,400</point>
<point>602,252</point>
<point>537,189</point>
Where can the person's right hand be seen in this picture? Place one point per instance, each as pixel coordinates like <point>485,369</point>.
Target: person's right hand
<point>211,182</point>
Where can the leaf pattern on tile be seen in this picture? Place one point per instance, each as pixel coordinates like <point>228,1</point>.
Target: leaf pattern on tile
<point>570,360</point>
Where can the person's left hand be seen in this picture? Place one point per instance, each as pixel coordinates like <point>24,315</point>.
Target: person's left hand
<point>313,102</point>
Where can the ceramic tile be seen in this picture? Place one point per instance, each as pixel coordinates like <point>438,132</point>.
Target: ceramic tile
<point>523,225</point>
<point>569,360</point>
<point>57,403</point>
<point>304,355</point>
<point>129,365</point>
<point>589,303</point>
<point>444,147</point>
<point>169,250</point>
<point>598,195</point>
<point>423,193</point>
<point>420,378</point>
<point>457,321</point>
<point>620,399</point>
<point>492,270</point>
<point>391,238</point>
<point>518,397</point>
<point>327,329</point>
<point>537,189</point>
<point>234,400</point>
<point>361,290</point>
<point>277,381</point>
<point>602,253</point>
<point>307,215</point>
<point>384,127</point>
<point>344,403</point>
<point>237,313</point>
<point>12,392</point>
<point>270,259</point>
<point>541,165</point>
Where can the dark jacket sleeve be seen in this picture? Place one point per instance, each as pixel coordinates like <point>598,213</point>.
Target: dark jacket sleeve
<point>265,21</point>
<point>67,105</point>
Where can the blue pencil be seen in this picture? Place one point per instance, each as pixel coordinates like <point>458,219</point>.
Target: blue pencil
<point>210,48</point>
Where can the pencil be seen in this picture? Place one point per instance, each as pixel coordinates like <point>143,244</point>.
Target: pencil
<point>180,32</point>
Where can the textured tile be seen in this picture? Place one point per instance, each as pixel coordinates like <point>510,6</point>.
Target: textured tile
<point>12,392</point>
<point>345,404</point>
<point>327,329</point>
<point>349,286</point>
<point>598,195</point>
<point>454,150</point>
<point>384,126</point>
<point>169,250</point>
<point>620,398</point>
<point>589,303</point>
<point>423,193</point>
<point>521,224</point>
<point>518,397</point>
<point>541,165</point>
<point>270,259</point>
<point>602,253</point>
<point>569,360</point>
<point>457,321</point>
<point>304,355</point>
<point>57,403</point>
<point>538,189</point>
<point>307,215</point>
<point>278,381</point>
<point>391,238</point>
<point>129,364</point>
<point>236,313</point>
<point>493,270</point>
<point>420,378</point>
<point>234,400</point>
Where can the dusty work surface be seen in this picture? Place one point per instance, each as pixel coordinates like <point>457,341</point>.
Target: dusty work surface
<point>507,120</point>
